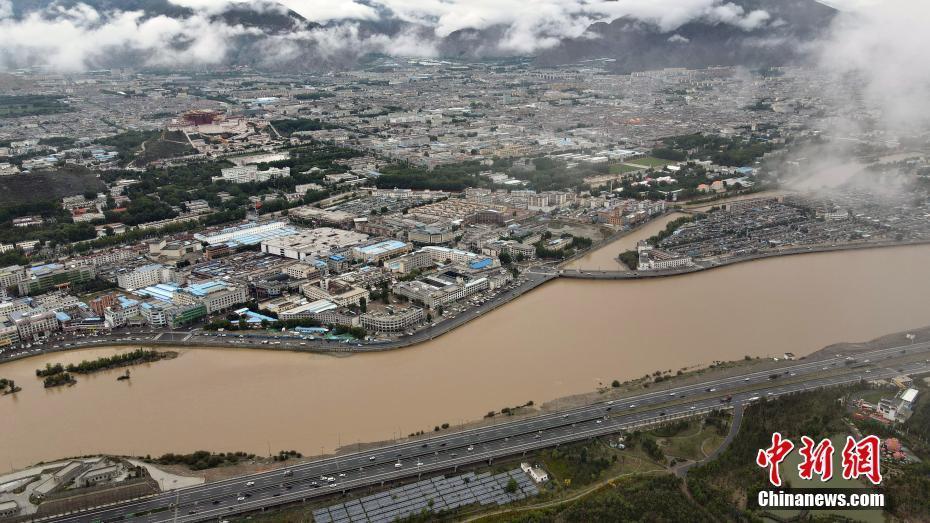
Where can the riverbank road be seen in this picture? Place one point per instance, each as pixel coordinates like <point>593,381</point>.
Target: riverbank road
<point>173,337</point>
<point>457,314</point>
<point>415,458</point>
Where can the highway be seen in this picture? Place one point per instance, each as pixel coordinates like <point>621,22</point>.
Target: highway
<point>449,451</point>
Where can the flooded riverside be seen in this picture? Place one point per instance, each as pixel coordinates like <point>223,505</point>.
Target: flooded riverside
<point>604,258</point>
<point>566,337</point>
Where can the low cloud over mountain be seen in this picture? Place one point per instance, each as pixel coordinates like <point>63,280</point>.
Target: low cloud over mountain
<point>73,35</point>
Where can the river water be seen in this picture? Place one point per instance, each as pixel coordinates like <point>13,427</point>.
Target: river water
<point>566,337</point>
<point>604,258</point>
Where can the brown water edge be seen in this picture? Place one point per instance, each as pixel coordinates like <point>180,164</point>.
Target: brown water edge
<point>604,258</point>
<point>565,338</point>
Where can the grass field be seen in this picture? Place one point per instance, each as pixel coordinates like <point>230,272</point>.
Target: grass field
<point>577,465</point>
<point>30,105</point>
<point>167,145</point>
<point>620,168</point>
<point>695,442</point>
<point>650,161</point>
<point>47,185</point>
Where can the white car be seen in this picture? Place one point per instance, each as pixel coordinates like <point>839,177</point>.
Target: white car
<point>371,458</point>
<point>250,484</point>
<point>397,465</point>
<point>240,498</point>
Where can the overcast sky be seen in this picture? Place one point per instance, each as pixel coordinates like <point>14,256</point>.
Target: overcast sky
<point>81,37</point>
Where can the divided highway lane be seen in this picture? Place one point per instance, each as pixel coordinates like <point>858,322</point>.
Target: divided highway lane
<point>283,491</point>
<point>470,445</point>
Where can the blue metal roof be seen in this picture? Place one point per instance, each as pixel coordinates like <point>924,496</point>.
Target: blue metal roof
<point>481,264</point>
<point>126,302</point>
<point>254,317</point>
<point>382,247</point>
<point>202,289</point>
<point>162,291</point>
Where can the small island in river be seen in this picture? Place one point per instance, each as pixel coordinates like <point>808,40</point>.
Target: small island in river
<point>59,374</point>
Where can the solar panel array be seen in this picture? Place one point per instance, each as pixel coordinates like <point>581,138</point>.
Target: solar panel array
<point>431,495</point>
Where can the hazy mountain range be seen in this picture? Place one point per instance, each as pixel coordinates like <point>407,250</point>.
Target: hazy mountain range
<point>266,34</point>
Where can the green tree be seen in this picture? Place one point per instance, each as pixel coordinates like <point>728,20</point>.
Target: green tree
<point>511,487</point>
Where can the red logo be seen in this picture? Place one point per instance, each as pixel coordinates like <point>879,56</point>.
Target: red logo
<point>773,456</point>
<point>817,459</point>
<point>862,458</point>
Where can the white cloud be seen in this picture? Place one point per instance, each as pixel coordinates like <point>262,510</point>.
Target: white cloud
<point>81,37</point>
<point>323,11</point>
<point>884,48</point>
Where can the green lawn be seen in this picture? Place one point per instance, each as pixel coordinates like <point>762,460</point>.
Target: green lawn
<point>872,396</point>
<point>620,168</point>
<point>577,465</point>
<point>692,442</point>
<point>650,161</point>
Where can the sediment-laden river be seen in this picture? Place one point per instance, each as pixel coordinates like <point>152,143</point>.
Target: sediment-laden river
<point>565,337</point>
<point>604,258</point>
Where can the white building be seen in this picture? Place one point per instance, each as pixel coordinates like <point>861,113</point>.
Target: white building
<point>653,259</point>
<point>214,295</point>
<point>250,173</point>
<point>35,325</point>
<point>312,243</point>
<point>337,292</point>
<point>392,320</point>
<point>248,234</point>
<point>145,276</point>
<point>536,474</point>
<point>308,310</point>
<point>99,475</point>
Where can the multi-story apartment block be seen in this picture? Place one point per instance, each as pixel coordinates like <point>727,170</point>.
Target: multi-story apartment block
<point>250,173</point>
<point>392,321</point>
<point>377,252</point>
<point>215,296</point>
<point>339,293</point>
<point>44,277</point>
<point>11,276</point>
<point>9,334</point>
<point>146,275</point>
<point>34,325</point>
<point>302,271</point>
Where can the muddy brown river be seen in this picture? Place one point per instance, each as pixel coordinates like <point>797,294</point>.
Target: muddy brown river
<point>566,337</point>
